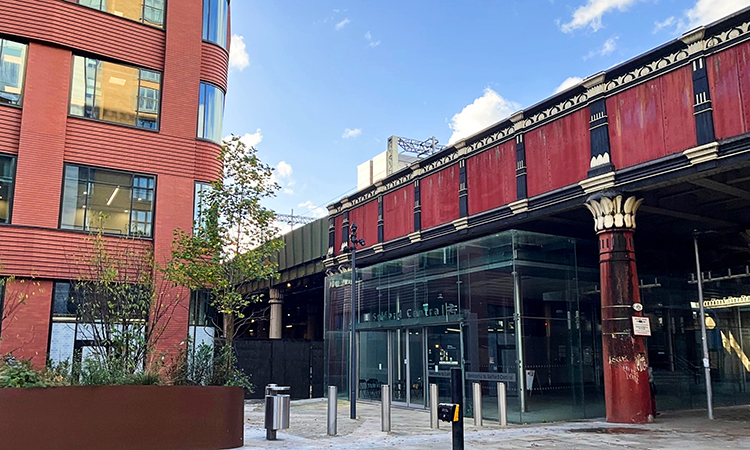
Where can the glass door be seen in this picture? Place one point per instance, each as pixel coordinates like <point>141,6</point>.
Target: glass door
<point>443,354</point>
<point>416,368</point>
<point>408,363</point>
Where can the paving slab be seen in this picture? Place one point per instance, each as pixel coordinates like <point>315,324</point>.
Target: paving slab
<point>683,430</point>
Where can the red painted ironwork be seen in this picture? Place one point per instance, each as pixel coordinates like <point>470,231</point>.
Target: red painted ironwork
<point>626,386</point>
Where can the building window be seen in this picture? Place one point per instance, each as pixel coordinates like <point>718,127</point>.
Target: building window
<point>200,209</point>
<point>215,21</point>
<point>12,65</point>
<point>107,201</point>
<point>150,12</point>
<point>210,113</point>
<point>7,172</point>
<point>115,93</point>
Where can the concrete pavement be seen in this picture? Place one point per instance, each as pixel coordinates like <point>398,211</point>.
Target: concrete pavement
<point>684,430</point>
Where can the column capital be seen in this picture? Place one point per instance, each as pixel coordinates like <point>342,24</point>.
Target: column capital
<point>275,296</point>
<point>613,210</point>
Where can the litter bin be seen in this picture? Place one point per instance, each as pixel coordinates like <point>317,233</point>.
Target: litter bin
<point>277,409</point>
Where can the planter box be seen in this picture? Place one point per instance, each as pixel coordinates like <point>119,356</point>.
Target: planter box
<point>122,417</point>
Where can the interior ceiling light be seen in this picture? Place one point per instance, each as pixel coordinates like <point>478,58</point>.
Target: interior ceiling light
<point>114,194</point>
<point>118,81</point>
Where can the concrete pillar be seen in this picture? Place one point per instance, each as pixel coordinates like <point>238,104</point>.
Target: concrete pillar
<point>276,300</point>
<point>626,388</point>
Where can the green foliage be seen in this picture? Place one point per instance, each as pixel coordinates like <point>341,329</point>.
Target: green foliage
<point>18,373</point>
<point>95,372</point>
<point>203,366</point>
<point>235,240</point>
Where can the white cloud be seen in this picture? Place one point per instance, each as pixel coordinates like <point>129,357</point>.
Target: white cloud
<point>284,169</point>
<point>238,57</point>
<point>250,140</point>
<point>707,11</point>
<point>312,210</point>
<point>282,175</point>
<point>568,83</point>
<point>486,110</point>
<point>702,13</point>
<point>342,24</point>
<point>349,133</point>
<point>590,14</point>
<point>372,42</point>
<point>666,23</point>
<point>610,45</point>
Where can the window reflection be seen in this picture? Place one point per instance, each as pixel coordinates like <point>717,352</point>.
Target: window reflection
<point>215,20</point>
<point>6,187</point>
<point>115,93</point>
<point>200,206</point>
<point>150,12</point>
<point>12,64</point>
<point>210,112</point>
<point>113,202</point>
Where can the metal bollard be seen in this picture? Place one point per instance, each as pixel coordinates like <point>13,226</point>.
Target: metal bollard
<point>385,405</point>
<point>333,394</point>
<point>502,405</point>
<point>476,390</point>
<point>434,422</point>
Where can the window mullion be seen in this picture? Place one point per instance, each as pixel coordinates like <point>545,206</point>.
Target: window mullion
<point>130,211</point>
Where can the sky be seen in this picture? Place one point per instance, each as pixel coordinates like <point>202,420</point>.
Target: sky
<point>318,86</point>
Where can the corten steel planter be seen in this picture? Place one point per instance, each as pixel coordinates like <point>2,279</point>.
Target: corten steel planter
<point>121,417</point>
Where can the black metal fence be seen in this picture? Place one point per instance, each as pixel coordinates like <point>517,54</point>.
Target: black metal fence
<point>296,363</point>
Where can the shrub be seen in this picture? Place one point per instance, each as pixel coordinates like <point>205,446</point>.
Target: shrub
<point>205,366</point>
<point>19,373</point>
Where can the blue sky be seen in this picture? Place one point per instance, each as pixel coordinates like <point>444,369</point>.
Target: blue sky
<point>319,86</point>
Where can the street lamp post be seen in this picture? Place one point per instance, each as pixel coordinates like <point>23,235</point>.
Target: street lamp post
<point>701,311</point>
<point>352,247</point>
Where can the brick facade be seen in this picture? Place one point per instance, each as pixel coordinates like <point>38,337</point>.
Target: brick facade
<point>44,137</point>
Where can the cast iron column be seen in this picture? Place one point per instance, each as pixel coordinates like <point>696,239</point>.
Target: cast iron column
<point>276,300</point>
<point>626,387</point>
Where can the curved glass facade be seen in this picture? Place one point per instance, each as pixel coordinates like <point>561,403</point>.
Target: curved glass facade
<point>216,21</point>
<point>210,113</point>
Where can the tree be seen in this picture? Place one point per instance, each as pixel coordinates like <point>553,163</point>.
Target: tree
<point>121,303</point>
<point>234,241</point>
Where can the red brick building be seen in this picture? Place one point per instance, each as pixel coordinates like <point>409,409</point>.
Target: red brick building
<point>105,107</point>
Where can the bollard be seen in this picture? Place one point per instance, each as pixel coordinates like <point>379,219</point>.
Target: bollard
<point>332,410</point>
<point>385,406</point>
<point>502,406</point>
<point>434,422</point>
<point>457,397</point>
<point>476,391</point>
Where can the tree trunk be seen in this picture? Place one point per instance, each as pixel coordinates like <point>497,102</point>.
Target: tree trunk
<point>229,329</point>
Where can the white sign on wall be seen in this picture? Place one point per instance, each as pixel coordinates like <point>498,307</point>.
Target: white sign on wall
<point>641,326</point>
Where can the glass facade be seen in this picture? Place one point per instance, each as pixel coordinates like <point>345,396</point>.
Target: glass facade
<point>150,12</point>
<point>115,93</point>
<point>107,201</point>
<point>12,68</point>
<point>525,308</point>
<point>210,113</point>
<point>7,174</point>
<point>200,208</point>
<point>216,21</point>
<point>507,307</point>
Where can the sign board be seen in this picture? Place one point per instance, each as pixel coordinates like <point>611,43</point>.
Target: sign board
<point>641,326</point>
<point>491,376</point>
